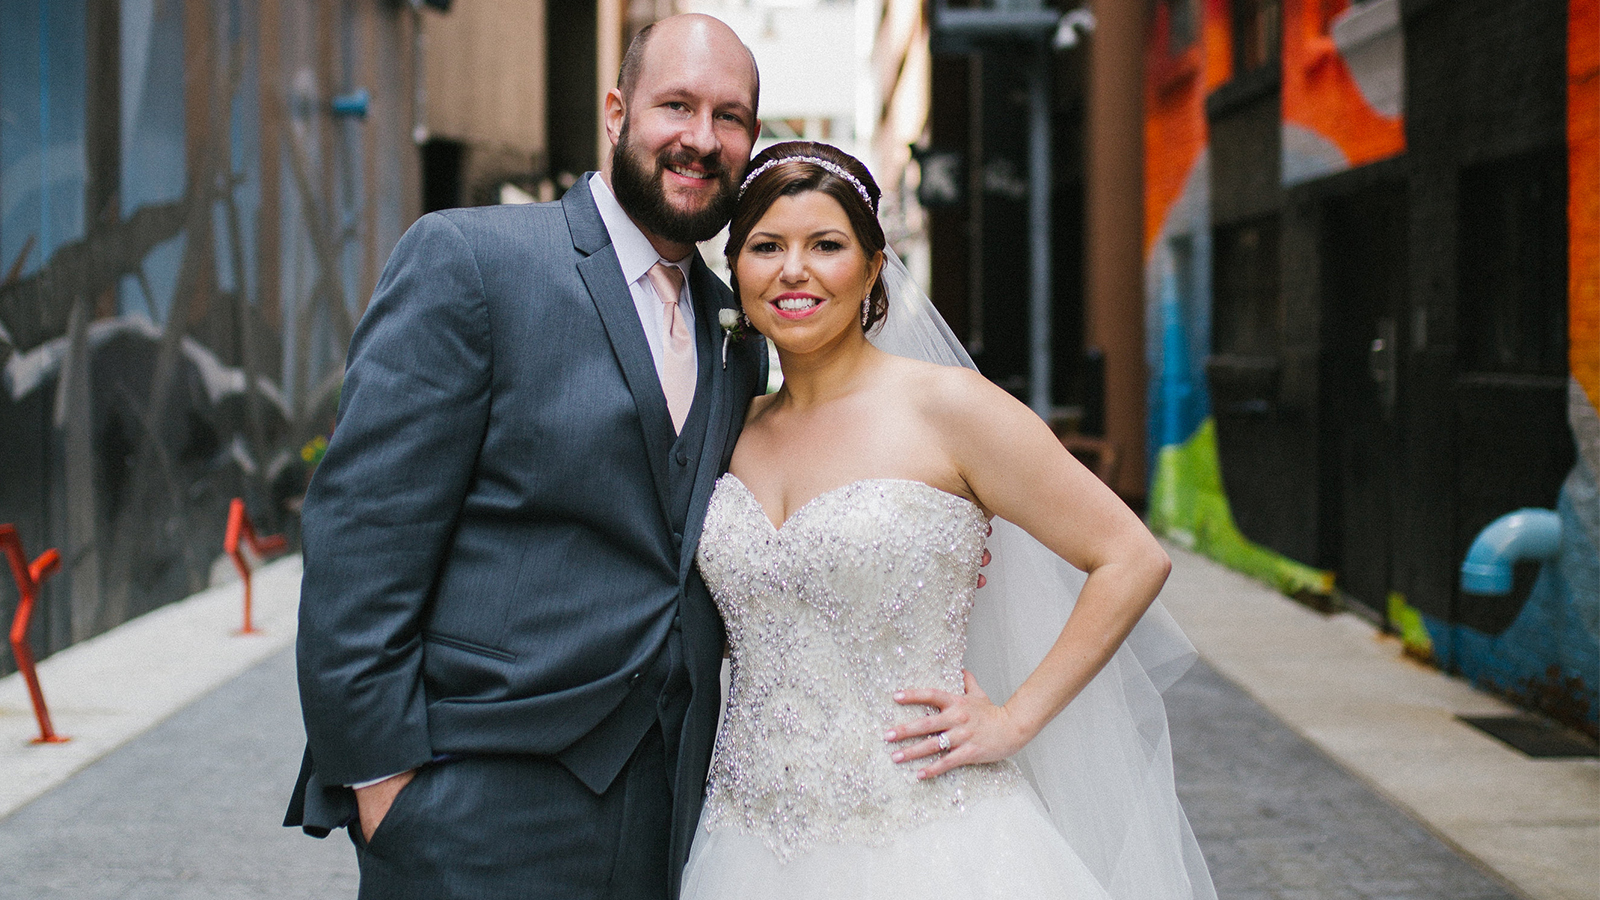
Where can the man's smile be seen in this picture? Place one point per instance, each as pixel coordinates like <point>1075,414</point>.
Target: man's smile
<point>686,172</point>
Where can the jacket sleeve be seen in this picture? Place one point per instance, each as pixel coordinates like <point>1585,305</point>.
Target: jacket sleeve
<point>384,502</point>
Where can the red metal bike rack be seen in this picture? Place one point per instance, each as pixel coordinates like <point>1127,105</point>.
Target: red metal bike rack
<point>28,577</point>
<point>239,526</point>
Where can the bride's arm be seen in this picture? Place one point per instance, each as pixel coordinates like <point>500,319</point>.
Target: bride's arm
<point>1017,469</point>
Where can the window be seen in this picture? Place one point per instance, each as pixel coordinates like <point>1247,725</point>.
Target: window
<point>1247,308</point>
<point>1512,267</point>
<point>1257,31</point>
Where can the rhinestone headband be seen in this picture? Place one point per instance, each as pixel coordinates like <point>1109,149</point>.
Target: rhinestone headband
<point>832,167</point>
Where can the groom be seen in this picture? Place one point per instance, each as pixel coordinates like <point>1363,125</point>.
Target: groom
<point>508,664</point>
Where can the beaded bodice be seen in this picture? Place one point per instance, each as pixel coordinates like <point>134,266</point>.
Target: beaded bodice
<point>865,590</point>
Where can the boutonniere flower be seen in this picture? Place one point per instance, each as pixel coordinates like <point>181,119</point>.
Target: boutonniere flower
<point>733,329</point>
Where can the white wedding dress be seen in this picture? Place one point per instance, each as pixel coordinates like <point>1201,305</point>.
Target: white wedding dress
<point>865,590</point>
<point>868,589</point>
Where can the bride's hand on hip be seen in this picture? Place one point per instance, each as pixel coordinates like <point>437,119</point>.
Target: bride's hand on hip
<point>967,729</point>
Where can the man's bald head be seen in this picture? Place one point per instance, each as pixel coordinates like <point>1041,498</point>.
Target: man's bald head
<point>674,30</point>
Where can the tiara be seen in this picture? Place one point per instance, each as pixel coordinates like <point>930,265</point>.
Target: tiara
<point>832,167</point>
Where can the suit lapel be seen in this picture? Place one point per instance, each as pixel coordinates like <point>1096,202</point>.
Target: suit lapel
<point>709,295</point>
<point>602,275</point>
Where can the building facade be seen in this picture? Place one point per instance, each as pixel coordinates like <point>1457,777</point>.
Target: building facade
<point>1370,246</point>
<point>195,200</point>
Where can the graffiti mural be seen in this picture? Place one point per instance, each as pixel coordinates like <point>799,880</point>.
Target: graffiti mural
<point>1374,322</point>
<point>1343,86</point>
<point>1187,58</point>
<point>188,229</point>
<point>1548,657</point>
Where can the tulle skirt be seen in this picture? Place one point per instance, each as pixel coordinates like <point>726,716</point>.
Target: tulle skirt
<point>1003,848</point>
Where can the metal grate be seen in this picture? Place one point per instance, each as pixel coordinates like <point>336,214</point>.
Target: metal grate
<point>1534,737</point>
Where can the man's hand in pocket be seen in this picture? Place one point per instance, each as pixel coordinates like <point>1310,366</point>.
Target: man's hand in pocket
<point>374,800</point>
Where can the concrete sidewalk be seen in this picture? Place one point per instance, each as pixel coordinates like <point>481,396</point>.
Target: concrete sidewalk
<point>109,689</point>
<point>187,804</point>
<point>1346,688</point>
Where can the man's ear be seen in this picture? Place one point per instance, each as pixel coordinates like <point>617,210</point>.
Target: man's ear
<point>616,109</point>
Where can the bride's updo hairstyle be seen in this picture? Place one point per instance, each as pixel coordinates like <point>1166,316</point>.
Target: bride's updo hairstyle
<point>790,168</point>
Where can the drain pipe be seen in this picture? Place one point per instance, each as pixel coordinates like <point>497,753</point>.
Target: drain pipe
<point>1526,534</point>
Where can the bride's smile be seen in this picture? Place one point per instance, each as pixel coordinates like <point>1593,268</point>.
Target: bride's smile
<point>797,304</point>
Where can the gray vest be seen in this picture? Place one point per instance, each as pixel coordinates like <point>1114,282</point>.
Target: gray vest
<point>660,693</point>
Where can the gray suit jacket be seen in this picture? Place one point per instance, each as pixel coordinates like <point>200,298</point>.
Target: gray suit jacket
<point>499,543</point>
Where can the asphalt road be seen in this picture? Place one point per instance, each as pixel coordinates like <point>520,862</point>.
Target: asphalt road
<point>191,809</point>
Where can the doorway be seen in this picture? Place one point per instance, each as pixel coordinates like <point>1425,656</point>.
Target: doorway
<point>1364,267</point>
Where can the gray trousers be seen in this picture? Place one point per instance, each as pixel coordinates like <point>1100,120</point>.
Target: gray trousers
<point>523,828</point>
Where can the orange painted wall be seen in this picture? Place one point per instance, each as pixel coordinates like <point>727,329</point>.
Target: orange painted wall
<point>1320,94</point>
<point>1175,88</point>
<point>1583,187</point>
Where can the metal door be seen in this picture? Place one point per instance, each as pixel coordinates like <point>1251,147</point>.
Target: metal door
<point>1363,301</point>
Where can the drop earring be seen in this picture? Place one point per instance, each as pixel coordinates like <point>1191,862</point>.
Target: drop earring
<point>866,311</point>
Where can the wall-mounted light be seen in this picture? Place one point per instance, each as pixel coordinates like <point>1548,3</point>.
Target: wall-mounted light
<point>1079,21</point>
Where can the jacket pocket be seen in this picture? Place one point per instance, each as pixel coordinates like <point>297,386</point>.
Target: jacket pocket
<point>467,646</point>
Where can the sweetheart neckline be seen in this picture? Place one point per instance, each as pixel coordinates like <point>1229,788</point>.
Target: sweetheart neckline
<point>778,529</point>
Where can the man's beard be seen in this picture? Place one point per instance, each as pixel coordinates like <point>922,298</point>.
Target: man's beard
<point>640,192</point>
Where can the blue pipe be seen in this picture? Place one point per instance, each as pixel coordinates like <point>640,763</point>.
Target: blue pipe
<point>1522,535</point>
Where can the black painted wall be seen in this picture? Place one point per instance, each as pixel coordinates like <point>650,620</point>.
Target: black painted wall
<point>1263,341</point>
<point>1486,86</point>
<point>1477,198</point>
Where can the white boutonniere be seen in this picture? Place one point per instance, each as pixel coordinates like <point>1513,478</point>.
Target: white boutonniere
<point>733,329</point>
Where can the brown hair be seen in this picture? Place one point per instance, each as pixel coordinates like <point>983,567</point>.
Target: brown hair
<point>633,61</point>
<point>788,177</point>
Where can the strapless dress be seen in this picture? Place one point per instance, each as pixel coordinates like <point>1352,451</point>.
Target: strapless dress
<point>864,591</point>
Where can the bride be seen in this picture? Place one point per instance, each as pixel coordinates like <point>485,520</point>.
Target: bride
<point>866,750</point>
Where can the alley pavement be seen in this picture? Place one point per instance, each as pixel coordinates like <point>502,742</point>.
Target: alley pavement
<point>1313,762</point>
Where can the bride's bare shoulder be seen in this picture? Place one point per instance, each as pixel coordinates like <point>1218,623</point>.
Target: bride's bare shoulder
<point>953,392</point>
<point>915,373</point>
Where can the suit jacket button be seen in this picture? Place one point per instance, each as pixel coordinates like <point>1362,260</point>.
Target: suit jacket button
<point>683,457</point>
<point>634,678</point>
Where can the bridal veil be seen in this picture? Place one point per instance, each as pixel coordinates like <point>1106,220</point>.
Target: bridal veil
<point>1103,767</point>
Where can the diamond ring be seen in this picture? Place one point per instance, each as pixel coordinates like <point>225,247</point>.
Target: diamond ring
<point>944,740</point>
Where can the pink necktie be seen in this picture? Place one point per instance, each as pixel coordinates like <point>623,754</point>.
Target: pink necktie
<point>677,353</point>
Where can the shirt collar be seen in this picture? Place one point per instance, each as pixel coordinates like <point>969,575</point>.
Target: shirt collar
<point>635,253</point>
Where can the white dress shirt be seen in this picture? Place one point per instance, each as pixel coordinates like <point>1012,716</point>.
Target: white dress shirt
<point>636,255</point>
